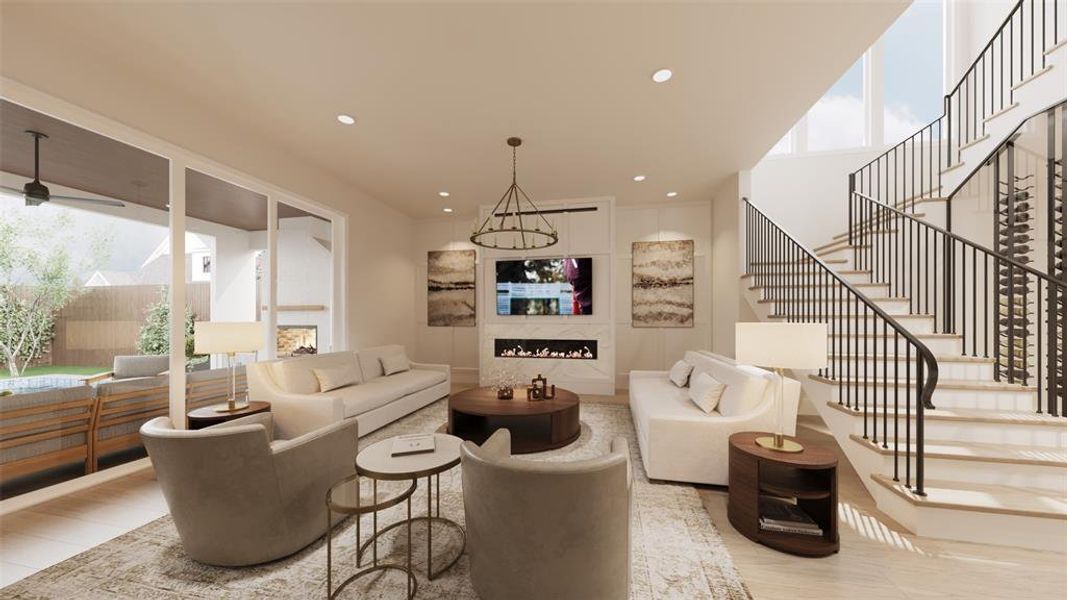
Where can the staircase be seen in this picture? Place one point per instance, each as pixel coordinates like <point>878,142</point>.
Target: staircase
<point>945,384</point>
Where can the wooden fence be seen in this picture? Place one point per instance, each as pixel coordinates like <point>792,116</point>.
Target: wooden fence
<point>105,322</point>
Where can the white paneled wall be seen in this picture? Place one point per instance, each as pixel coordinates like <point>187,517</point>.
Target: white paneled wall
<point>635,348</point>
<point>456,346</point>
<point>581,234</point>
<point>643,348</point>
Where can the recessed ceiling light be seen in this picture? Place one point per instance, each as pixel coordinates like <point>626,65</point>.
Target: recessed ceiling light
<point>447,210</point>
<point>443,194</point>
<point>639,178</point>
<point>346,119</point>
<point>662,76</point>
<point>672,194</point>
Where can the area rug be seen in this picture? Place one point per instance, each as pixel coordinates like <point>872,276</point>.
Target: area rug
<point>677,552</point>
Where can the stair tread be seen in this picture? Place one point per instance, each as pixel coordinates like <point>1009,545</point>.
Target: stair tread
<point>954,358</point>
<point>953,384</point>
<point>805,286</point>
<point>840,236</point>
<point>942,336</point>
<point>981,451</point>
<point>855,315</point>
<point>979,415</point>
<point>824,299</point>
<point>982,497</point>
<point>829,261</point>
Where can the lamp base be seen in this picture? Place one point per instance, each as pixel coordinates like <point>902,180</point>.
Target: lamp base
<point>231,406</point>
<point>778,443</point>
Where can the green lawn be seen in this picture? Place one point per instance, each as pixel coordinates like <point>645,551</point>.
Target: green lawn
<point>57,370</point>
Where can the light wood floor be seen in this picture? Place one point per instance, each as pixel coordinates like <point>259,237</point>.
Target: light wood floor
<point>878,558</point>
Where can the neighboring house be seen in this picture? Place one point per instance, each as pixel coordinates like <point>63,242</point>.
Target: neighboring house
<point>111,278</point>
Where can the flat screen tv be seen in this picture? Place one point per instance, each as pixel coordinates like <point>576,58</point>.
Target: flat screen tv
<point>544,286</point>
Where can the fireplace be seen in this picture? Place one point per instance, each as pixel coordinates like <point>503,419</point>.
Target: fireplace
<point>545,348</point>
<point>296,340</point>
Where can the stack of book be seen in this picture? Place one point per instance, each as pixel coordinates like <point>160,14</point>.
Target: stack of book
<point>779,514</point>
<point>416,443</point>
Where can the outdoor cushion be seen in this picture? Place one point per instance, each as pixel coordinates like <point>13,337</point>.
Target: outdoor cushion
<point>127,367</point>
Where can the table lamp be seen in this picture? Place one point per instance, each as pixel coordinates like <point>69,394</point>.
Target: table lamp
<point>229,338</point>
<point>781,346</point>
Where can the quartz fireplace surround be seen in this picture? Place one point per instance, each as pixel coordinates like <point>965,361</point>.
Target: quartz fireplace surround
<point>543,348</point>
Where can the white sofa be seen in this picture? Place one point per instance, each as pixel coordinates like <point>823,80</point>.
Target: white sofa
<point>298,406</point>
<point>679,441</point>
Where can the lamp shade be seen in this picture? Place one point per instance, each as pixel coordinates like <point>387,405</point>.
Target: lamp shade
<point>217,337</point>
<point>781,345</point>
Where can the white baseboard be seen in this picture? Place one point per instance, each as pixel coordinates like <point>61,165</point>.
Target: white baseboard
<point>29,499</point>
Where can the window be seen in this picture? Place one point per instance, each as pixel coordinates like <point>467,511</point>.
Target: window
<point>837,119</point>
<point>912,70</point>
<point>906,89</point>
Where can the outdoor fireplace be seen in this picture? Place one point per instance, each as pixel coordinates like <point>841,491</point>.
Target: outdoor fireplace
<point>297,340</point>
<point>545,348</point>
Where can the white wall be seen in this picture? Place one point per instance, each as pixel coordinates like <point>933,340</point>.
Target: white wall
<point>971,25</point>
<point>379,277</point>
<point>456,346</point>
<point>807,194</point>
<point>304,272</point>
<point>658,349</point>
<point>233,276</point>
<point>728,306</point>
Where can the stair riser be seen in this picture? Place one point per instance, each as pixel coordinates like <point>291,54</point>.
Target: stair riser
<point>871,291</point>
<point>922,324</point>
<point>1045,477</point>
<point>971,526</point>
<point>945,398</point>
<point>845,252</point>
<point>947,370</point>
<point>988,432</point>
<point>860,345</point>
<point>849,307</point>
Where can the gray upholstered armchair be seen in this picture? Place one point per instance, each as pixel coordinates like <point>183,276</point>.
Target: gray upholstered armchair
<point>239,498</point>
<point>538,530</point>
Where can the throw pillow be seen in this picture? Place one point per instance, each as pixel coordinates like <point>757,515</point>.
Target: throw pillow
<point>745,389</point>
<point>395,363</point>
<point>680,373</point>
<point>705,391</point>
<point>331,378</point>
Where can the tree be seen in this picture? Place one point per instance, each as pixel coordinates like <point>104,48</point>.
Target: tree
<point>155,333</point>
<point>37,279</point>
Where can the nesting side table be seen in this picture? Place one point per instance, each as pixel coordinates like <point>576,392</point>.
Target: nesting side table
<point>809,477</point>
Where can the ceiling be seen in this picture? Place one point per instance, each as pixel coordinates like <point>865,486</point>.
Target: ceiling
<point>437,87</point>
<point>77,158</point>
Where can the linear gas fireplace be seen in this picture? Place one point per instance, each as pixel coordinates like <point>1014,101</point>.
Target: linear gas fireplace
<point>539,348</point>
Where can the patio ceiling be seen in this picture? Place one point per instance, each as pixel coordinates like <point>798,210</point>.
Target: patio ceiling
<point>80,159</point>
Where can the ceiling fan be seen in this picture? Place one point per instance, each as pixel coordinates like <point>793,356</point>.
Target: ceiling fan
<point>36,193</point>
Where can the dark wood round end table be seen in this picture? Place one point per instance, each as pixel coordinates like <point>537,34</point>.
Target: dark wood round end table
<point>206,416</point>
<point>807,478</point>
<point>535,425</point>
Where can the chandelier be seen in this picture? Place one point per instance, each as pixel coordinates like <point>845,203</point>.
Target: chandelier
<point>515,223</point>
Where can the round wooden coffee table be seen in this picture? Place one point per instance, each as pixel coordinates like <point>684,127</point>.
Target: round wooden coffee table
<point>535,425</point>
